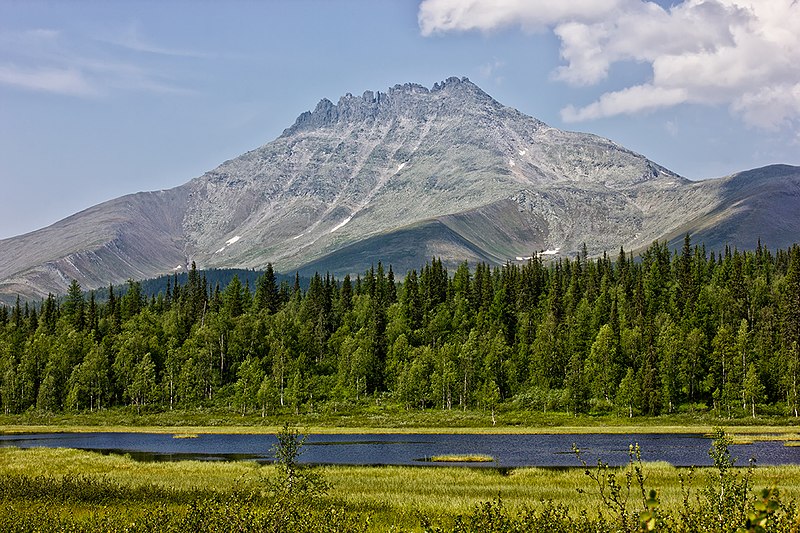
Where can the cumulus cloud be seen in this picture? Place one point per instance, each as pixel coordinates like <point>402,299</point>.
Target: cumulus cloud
<point>631,100</point>
<point>739,53</point>
<point>437,16</point>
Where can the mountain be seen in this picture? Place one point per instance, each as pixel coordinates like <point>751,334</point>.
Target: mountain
<point>401,176</point>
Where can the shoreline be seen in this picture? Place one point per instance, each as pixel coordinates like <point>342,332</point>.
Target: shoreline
<point>755,432</point>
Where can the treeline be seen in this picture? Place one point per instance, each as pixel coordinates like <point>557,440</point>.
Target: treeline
<point>210,277</point>
<point>670,331</point>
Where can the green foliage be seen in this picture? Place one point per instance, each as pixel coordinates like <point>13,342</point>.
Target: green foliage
<point>725,503</point>
<point>117,494</point>
<point>50,504</point>
<point>667,334</point>
<point>616,495</point>
<point>295,480</point>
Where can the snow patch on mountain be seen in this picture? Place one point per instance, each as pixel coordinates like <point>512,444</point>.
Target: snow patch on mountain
<point>342,223</point>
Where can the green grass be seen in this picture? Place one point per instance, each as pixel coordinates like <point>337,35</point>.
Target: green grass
<point>466,458</point>
<point>393,419</point>
<point>393,496</point>
<point>184,436</point>
<point>369,417</point>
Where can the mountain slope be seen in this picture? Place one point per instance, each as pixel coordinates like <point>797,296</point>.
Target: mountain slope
<point>402,176</point>
<point>133,236</point>
<point>372,164</point>
<point>760,204</point>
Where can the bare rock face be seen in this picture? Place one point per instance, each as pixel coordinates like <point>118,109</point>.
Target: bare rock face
<point>401,176</point>
<point>368,165</point>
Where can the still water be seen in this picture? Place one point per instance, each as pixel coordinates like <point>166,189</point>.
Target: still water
<point>397,449</point>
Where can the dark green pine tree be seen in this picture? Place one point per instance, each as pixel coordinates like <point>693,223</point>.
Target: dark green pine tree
<point>214,302</point>
<point>345,296</point>
<point>33,320</point>
<point>197,295</point>
<point>575,385</point>
<point>297,292</point>
<point>554,304</point>
<point>133,300</point>
<point>623,273</point>
<point>381,291</point>
<point>460,284</point>
<point>791,330</point>
<point>412,302</point>
<point>92,319</point>
<point>685,290</point>
<point>49,314</point>
<point>73,308</point>
<point>267,297</point>
<point>233,297</point>
<point>112,312</point>
<point>16,315</point>
<point>391,288</point>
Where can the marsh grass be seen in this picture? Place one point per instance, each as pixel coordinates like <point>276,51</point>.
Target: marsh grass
<point>466,458</point>
<point>393,496</point>
<point>180,475</point>
<point>368,417</point>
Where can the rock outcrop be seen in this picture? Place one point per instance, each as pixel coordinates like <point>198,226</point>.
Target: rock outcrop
<point>401,176</point>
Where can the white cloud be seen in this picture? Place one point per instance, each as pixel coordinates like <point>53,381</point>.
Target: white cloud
<point>639,98</point>
<point>437,16</point>
<point>131,38</point>
<point>53,80</point>
<point>771,107</point>
<point>739,53</point>
<point>46,60</point>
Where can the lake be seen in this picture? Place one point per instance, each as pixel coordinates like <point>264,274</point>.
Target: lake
<point>403,449</point>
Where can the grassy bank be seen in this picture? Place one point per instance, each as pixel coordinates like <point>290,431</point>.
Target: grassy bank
<point>391,419</point>
<point>390,496</point>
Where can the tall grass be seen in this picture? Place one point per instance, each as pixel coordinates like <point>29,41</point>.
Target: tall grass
<point>392,497</point>
<point>369,418</point>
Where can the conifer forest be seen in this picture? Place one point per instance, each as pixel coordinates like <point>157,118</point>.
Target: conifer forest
<point>665,332</point>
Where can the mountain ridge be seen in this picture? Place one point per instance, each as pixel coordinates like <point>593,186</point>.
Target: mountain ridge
<point>446,171</point>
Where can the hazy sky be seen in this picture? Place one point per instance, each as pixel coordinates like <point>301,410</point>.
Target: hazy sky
<point>100,99</point>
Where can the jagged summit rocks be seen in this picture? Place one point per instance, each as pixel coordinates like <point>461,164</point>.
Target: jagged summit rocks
<point>401,176</point>
<point>410,100</point>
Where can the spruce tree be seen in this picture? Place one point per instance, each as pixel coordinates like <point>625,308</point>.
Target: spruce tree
<point>73,308</point>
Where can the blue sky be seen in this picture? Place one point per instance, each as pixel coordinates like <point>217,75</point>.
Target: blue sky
<point>100,99</point>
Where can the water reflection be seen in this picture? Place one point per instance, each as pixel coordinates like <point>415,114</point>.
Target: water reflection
<point>403,449</point>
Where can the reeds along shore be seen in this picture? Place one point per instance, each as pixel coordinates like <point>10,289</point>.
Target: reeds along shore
<point>62,488</point>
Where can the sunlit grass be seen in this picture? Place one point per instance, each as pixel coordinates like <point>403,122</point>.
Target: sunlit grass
<point>388,418</point>
<point>740,434</point>
<point>393,495</point>
<point>182,475</point>
<point>184,436</point>
<point>466,458</point>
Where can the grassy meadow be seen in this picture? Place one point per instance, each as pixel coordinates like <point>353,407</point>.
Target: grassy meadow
<point>62,485</point>
<point>389,418</point>
<point>380,498</point>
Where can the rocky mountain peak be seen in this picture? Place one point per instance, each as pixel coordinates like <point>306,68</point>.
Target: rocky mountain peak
<point>410,99</point>
<point>403,175</point>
